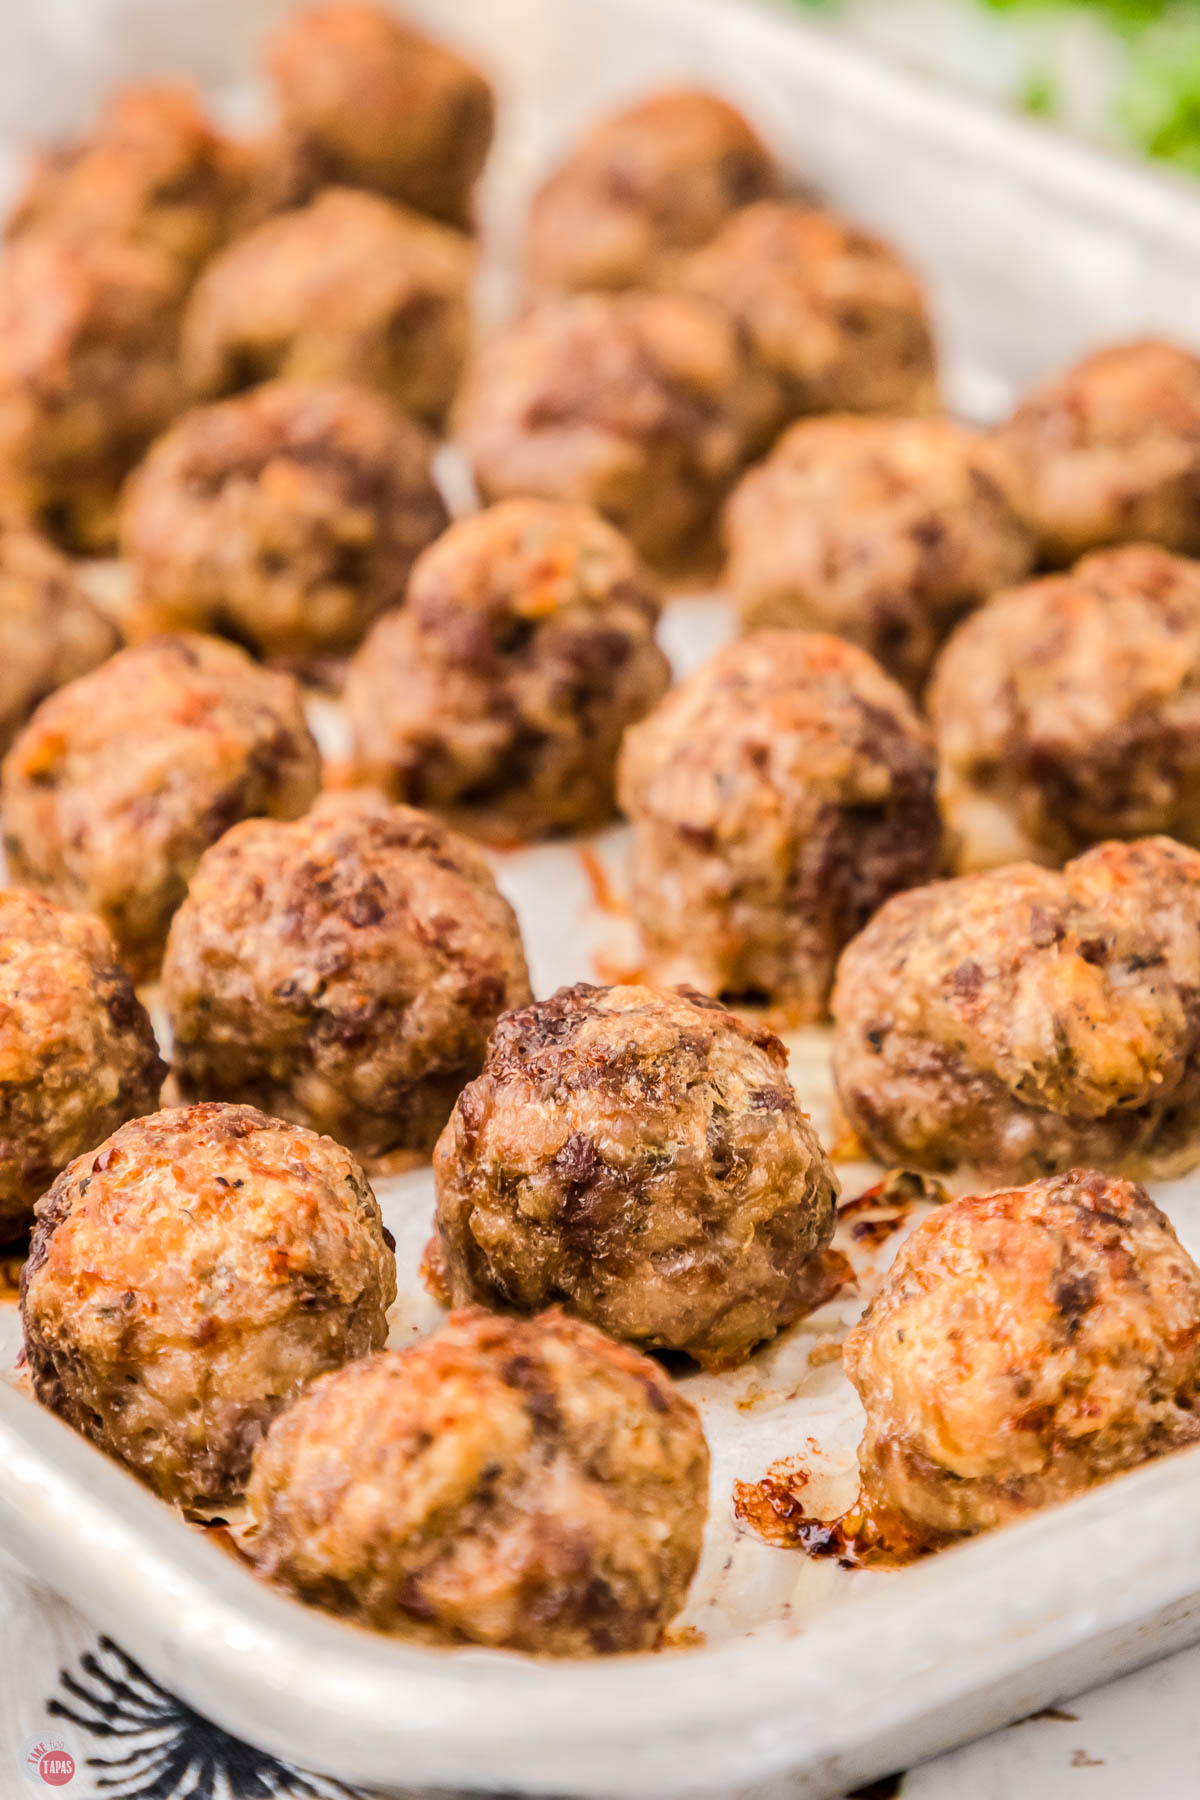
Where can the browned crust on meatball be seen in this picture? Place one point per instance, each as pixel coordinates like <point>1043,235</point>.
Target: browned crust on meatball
<point>1023,1020</point>
<point>777,797</point>
<point>124,777</point>
<point>523,1484</point>
<point>189,1277</point>
<point>50,631</point>
<point>638,1155</point>
<point>499,694</point>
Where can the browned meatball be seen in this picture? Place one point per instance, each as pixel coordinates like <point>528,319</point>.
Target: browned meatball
<point>50,632</point>
<point>348,288</point>
<point>288,517</point>
<point>122,778</point>
<point>1025,1345</point>
<point>378,105</point>
<point>885,531</point>
<point>637,1154</point>
<point>189,1277</point>
<point>343,971</point>
<point>77,1055</point>
<point>1020,1021</point>
<point>642,189</point>
<point>524,1484</point>
<point>500,692</point>
<point>1068,710</point>
<point>777,797</point>
<point>1110,451</point>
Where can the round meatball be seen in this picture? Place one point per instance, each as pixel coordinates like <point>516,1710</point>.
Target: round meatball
<point>521,1483</point>
<point>288,517</point>
<point>122,778</point>
<point>500,692</point>
<point>644,188</point>
<point>349,288</point>
<point>1025,1345</point>
<point>637,1154</point>
<point>378,105</point>
<point>1023,1020</point>
<point>49,630</point>
<point>77,1054</point>
<point>885,531</point>
<point>189,1277</point>
<point>344,971</point>
<point>1110,452</point>
<point>1068,711</point>
<point>777,798</point>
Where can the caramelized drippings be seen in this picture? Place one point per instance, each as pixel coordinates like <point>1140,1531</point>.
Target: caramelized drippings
<point>12,1261</point>
<point>773,1509</point>
<point>899,1191</point>
<point>605,897</point>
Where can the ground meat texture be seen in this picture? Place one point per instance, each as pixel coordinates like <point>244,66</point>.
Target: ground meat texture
<point>1023,1020</point>
<point>499,694</point>
<point>1110,452</point>
<point>287,518</point>
<point>49,630</point>
<point>77,1054</point>
<point>377,105</point>
<point>1025,1345</point>
<point>349,288</point>
<point>521,1484</point>
<point>641,405</point>
<point>189,1277</point>
<point>642,189</point>
<point>344,971</point>
<point>884,531</point>
<point>1068,711</point>
<point>122,778</point>
<point>777,798</point>
<point>638,1155</point>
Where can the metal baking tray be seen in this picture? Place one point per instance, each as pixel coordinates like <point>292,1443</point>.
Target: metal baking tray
<point>786,1676</point>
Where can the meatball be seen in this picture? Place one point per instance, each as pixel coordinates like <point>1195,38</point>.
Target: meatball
<point>644,188</point>
<point>287,517</point>
<point>122,778</point>
<point>885,531</point>
<point>348,288</point>
<point>189,1277</point>
<point>526,1484</point>
<point>1025,1345</point>
<point>77,1055</point>
<point>343,971</point>
<point>49,630</point>
<point>641,405</point>
<point>500,692</point>
<point>1068,710</point>
<point>836,320</point>
<point>377,105</point>
<point>1110,452</point>
<point>1022,1020</point>
<point>777,798</point>
<point>637,1154</point>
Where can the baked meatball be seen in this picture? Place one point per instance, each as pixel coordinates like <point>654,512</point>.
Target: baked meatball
<point>1024,1346</point>
<point>77,1055</point>
<point>287,517</point>
<point>500,692</point>
<point>378,105</point>
<point>641,405</point>
<point>122,778</point>
<point>343,971</point>
<point>189,1277</point>
<point>885,531</point>
<point>642,189</point>
<point>777,797</point>
<point>1110,451</point>
<point>526,1484</point>
<point>638,1154</point>
<point>50,632</point>
<point>349,288</point>
<point>1068,710</point>
<point>1022,1020</point>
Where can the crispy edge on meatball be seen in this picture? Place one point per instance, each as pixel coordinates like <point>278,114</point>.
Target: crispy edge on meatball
<point>50,631</point>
